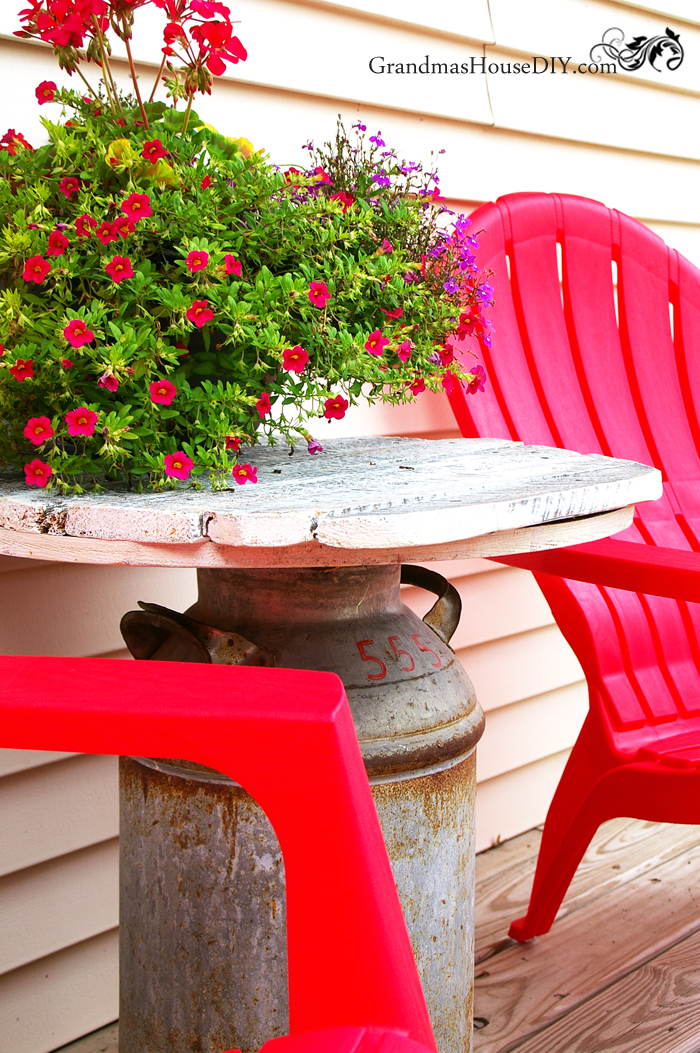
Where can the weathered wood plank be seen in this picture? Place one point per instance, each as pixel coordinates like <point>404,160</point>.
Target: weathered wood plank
<point>622,850</point>
<point>656,1009</point>
<point>528,986</point>
<point>358,494</point>
<point>65,549</point>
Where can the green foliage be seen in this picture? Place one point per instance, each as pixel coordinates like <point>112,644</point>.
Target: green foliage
<point>285,230</point>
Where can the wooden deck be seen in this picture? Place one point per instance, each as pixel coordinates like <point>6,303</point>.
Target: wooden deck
<point>618,973</point>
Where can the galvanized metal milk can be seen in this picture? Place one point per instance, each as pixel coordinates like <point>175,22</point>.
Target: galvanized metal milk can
<point>203,940</point>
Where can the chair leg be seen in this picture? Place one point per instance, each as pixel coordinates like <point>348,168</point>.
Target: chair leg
<point>574,815</point>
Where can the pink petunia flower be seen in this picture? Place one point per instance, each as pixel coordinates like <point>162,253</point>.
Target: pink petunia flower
<point>318,294</point>
<point>38,430</point>
<point>35,269</point>
<point>479,381</point>
<point>322,176</point>
<point>197,261</point>
<point>106,233</point>
<point>58,243</point>
<point>119,268</point>
<point>153,150</point>
<point>69,185</point>
<point>81,421</point>
<point>448,382</point>
<point>84,225</point>
<point>294,359</point>
<point>233,442</point>
<point>178,465</point>
<point>417,385</point>
<point>46,91</point>
<point>137,206</point>
<point>244,473</point>
<point>263,405</point>
<point>162,392</point>
<point>2,349</point>
<point>343,198</point>
<point>200,313</point>
<point>108,381</point>
<point>313,446</point>
<point>447,355</point>
<point>232,265</point>
<point>77,333</point>
<point>470,321</point>
<point>22,370</point>
<point>206,182</point>
<point>123,227</point>
<point>376,343</point>
<point>336,407</point>
<point>386,248</point>
<point>404,350</point>
<point>396,313</point>
<point>37,473</point>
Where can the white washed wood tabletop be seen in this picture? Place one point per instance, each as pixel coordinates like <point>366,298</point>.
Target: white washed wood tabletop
<point>368,495</point>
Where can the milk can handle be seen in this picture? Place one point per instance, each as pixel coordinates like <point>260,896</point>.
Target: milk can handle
<point>443,617</point>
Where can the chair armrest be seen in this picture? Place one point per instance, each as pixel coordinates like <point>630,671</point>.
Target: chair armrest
<point>620,565</point>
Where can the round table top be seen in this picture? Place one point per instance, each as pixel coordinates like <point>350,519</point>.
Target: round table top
<point>361,501</point>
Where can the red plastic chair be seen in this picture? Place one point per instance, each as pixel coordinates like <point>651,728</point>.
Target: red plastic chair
<point>564,372</point>
<point>350,959</point>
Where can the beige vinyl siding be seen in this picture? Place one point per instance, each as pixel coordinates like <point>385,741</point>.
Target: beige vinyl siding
<point>630,140</point>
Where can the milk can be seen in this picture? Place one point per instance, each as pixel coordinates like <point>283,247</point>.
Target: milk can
<point>203,938</point>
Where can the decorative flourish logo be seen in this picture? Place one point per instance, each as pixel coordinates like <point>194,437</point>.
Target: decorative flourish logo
<point>664,51</point>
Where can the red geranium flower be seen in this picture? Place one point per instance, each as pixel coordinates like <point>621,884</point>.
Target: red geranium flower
<point>294,359</point>
<point>119,268</point>
<point>137,206</point>
<point>336,407</point>
<point>81,421</point>
<point>197,261</point>
<point>84,225</point>
<point>162,391</point>
<point>38,430</point>
<point>232,265</point>
<point>22,370</point>
<point>109,381</point>
<point>35,269</point>
<point>69,185</point>
<point>77,333</point>
<point>37,473</point>
<point>106,233</point>
<point>46,91</point>
<point>245,473</point>
<point>233,442</point>
<point>447,354</point>
<point>58,243</point>
<point>153,150</point>
<point>318,294</point>
<point>345,199</point>
<point>376,343</point>
<point>417,385</point>
<point>200,313</point>
<point>178,465</point>
<point>206,182</point>
<point>66,363</point>
<point>263,405</point>
<point>123,226</point>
